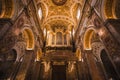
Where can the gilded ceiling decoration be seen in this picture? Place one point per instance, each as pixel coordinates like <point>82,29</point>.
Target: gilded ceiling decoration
<point>59,2</point>
<point>57,12</point>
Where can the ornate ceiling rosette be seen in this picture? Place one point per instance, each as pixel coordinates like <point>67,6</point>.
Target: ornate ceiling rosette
<point>59,2</point>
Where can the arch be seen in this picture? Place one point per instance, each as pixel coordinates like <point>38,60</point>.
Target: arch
<point>53,39</point>
<point>108,9</point>
<point>68,37</point>
<point>2,6</point>
<point>78,14</point>
<point>44,8</point>
<point>87,39</point>
<point>50,39</point>
<point>117,8</point>
<point>65,39</point>
<point>40,13</point>
<point>110,70</point>
<point>7,8</point>
<point>59,38</point>
<point>29,38</point>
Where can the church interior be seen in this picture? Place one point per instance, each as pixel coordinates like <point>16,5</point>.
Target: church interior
<point>59,40</point>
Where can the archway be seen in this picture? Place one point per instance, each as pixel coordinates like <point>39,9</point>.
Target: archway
<point>6,8</point>
<point>44,9</point>
<point>29,38</point>
<point>111,9</point>
<point>59,38</point>
<point>50,38</point>
<point>110,70</point>
<point>108,4</point>
<point>117,8</point>
<point>87,39</point>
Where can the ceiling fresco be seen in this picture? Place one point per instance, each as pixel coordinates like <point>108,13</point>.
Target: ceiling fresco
<point>59,13</point>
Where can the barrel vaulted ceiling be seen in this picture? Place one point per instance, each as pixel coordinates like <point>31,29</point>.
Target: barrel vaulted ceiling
<point>59,13</point>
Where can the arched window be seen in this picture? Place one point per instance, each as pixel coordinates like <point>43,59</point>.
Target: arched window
<point>53,39</point>
<point>65,39</point>
<point>40,13</point>
<point>59,38</point>
<point>49,38</point>
<point>78,13</point>
<point>1,6</point>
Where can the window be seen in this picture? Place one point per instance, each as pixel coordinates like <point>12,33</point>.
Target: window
<point>78,13</point>
<point>59,38</point>
<point>53,39</point>
<point>40,13</point>
<point>65,39</point>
